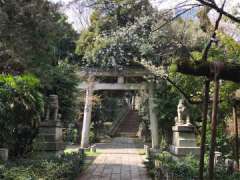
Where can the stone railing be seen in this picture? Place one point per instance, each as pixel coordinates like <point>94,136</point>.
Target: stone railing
<point>123,112</point>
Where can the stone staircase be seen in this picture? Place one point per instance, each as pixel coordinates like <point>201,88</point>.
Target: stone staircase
<point>129,126</point>
<point>122,114</point>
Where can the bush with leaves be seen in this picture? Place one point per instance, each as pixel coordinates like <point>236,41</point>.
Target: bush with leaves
<point>36,38</point>
<point>68,166</point>
<point>186,167</point>
<point>21,105</point>
<point>64,83</point>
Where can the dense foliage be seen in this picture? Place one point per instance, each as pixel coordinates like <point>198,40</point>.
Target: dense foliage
<point>112,42</point>
<point>66,167</point>
<point>36,38</point>
<point>33,35</point>
<point>21,106</point>
<point>184,168</point>
<point>64,83</point>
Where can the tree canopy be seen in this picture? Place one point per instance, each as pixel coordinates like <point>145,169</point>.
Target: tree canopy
<point>36,38</point>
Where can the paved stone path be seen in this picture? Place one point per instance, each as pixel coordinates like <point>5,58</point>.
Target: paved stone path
<point>119,160</point>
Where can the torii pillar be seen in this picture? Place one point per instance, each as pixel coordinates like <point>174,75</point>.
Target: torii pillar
<point>87,115</point>
<point>153,119</point>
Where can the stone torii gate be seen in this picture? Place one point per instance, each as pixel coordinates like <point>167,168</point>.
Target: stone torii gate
<point>92,84</point>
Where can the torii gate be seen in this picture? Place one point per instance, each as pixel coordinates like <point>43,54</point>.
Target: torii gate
<point>92,85</point>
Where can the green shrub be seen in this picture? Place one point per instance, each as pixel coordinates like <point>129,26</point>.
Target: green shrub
<point>72,134</point>
<point>21,105</point>
<point>235,176</point>
<point>64,84</point>
<point>65,167</point>
<point>19,173</point>
<point>150,167</point>
<point>186,167</point>
<point>221,172</point>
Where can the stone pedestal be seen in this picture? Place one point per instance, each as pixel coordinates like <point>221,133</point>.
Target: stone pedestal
<point>184,140</point>
<point>93,148</point>
<point>50,132</point>
<point>3,154</point>
<point>147,150</point>
<point>50,135</point>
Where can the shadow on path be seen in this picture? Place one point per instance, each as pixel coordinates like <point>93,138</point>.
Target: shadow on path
<point>119,160</point>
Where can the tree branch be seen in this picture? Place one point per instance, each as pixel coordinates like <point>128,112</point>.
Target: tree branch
<point>175,17</point>
<point>229,71</point>
<point>213,36</point>
<point>219,10</point>
<point>181,91</point>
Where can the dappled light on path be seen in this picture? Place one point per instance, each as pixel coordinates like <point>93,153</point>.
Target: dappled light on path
<point>119,160</point>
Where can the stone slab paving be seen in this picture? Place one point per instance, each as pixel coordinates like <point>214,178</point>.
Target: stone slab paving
<point>119,160</point>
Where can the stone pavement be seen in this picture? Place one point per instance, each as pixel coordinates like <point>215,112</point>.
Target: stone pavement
<point>119,160</point>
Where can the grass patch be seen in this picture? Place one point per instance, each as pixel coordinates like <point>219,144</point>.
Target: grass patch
<point>70,150</point>
<point>87,153</point>
<point>92,154</point>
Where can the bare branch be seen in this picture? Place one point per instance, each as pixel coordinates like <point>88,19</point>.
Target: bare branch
<point>175,17</point>
<point>213,36</point>
<point>219,10</point>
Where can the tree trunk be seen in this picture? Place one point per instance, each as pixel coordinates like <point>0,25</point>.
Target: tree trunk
<point>203,130</point>
<point>213,129</point>
<point>229,71</point>
<point>236,134</point>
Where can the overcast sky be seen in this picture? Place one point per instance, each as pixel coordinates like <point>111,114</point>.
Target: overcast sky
<point>79,22</point>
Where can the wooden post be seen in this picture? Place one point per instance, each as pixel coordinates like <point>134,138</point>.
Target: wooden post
<point>213,128</point>
<point>203,130</point>
<point>236,134</point>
